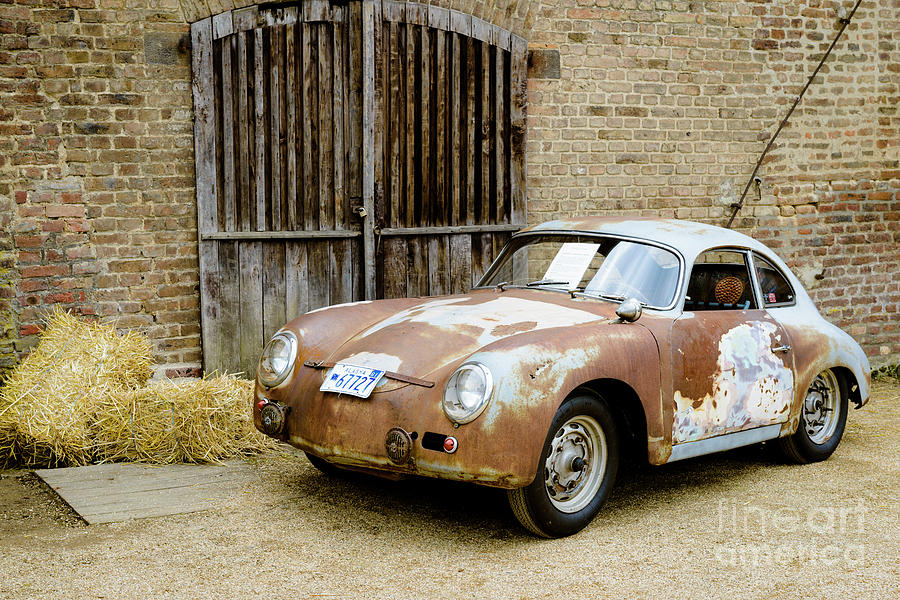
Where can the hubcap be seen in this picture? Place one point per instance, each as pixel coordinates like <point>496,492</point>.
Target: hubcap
<point>573,471</point>
<point>821,408</point>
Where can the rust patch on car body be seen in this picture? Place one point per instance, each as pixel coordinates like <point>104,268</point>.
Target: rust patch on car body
<point>537,350</point>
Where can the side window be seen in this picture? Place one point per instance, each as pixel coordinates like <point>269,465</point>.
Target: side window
<point>720,280</point>
<point>776,291</point>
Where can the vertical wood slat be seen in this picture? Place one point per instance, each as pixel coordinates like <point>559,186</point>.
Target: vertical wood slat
<point>339,120</point>
<point>413,212</point>
<point>273,287</point>
<point>310,74</point>
<point>291,89</point>
<point>370,136</point>
<point>517,132</point>
<point>205,113</point>
<point>274,147</point>
<point>325,130</point>
<point>471,150</point>
<point>244,194</point>
<point>296,279</point>
<point>251,305</point>
<point>259,103</point>
<point>228,159</point>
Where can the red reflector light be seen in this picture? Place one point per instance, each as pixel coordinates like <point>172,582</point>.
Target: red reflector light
<point>450,445</point>
<point>261,404</point>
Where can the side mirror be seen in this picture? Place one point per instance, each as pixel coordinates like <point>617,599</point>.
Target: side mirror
<point>629,311</point>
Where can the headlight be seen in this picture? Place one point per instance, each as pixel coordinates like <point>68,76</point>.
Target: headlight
<point>277,359</point>
<point>467,392</point>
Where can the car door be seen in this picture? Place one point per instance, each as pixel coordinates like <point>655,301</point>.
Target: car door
<point>732,367</point>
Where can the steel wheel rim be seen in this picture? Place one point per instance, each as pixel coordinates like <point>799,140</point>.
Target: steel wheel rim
<point>571,485</point>
<point>821,408</point>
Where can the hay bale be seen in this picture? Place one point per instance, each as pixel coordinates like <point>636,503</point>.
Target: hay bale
<point>173,421</point>
<point>48,403</point>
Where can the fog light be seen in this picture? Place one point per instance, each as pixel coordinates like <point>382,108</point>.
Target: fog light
<point>272,418</point>
<point>450,445</point>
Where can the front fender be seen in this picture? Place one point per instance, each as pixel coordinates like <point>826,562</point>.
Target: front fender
<point>535,373</point>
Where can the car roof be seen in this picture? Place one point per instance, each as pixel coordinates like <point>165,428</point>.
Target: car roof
<point>688,237</point>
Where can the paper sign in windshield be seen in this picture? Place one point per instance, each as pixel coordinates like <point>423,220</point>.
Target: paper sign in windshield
<point>570,263</point>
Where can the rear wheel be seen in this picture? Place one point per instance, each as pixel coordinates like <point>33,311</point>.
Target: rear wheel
<point>576,471</point>
<point>823,417</point>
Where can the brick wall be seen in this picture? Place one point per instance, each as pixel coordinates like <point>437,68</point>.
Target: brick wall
<point>96,169</point>
<point>639,106</point>
<point>663,108</point>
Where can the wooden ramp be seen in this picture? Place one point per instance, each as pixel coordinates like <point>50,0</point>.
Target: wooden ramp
<point>118,492</point>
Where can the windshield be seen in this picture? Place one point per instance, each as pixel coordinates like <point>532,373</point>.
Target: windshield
<point>597,266</point>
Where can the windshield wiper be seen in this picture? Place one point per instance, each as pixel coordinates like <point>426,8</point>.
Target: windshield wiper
<point>545,282</point>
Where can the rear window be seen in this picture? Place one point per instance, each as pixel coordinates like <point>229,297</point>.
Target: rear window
<point>776,291</point>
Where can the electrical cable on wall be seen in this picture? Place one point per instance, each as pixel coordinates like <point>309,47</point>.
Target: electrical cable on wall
<point>844,21</point>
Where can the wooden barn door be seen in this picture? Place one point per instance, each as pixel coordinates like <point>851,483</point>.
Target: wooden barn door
<point>348,151</point>
<point>450,130</point>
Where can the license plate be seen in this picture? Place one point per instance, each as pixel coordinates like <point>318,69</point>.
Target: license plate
<point>353,380</point>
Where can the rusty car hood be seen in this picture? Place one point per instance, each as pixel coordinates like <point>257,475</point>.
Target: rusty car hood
<point>432,333</point>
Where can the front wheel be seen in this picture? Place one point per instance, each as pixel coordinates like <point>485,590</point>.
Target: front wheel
<point>576,471</point>
<point>823,417</point>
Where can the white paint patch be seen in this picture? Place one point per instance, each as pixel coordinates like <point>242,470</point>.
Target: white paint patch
<point>490,317</point>
<point>752,387</point>
<point>344,305</point>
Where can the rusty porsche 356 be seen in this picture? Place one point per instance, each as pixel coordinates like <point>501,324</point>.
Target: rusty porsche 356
<point>584,340</point>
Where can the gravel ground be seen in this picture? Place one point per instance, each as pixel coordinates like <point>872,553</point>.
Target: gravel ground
<point>740,524</point>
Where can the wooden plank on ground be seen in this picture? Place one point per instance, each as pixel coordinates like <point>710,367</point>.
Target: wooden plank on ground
<point>111,493</point>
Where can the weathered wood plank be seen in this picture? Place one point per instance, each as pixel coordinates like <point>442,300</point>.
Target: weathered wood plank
<point>417,270</point>
<point>413,131</point>
<point>229,328</point>
<point>296,280</point>
<point>517,125</point>
<point>472,150</point>
<point>203,87</point>
<point>441,136</point>
<point>318,267</point>
<point>438,265</point>
<point>110,493</point>
<point>426,95</point>
<point>450,229</point>
<point>292,87</point>
<point>279,235</point>
<point>354,122</point>
<point>395,268</point>
<point>276,158</point>
<point>260,130</point>
<point>244,19</point>
<point>339,113</point>
<point>325,51</point>
<point>274,288</point>
<point>316,10</point>
<point>222,25</point>
<point>251,303</point>
<point>371,164</point>
<point>392,121</point>
<point>456,130</point>
<point>341,272</point>
<point>229,193</point>
<point>310,128</point>
<point>460,263</point>
<point>501,147</point>
<point>244,192</point>
<point>488,122</point>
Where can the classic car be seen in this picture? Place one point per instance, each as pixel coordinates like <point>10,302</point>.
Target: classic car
<point>586,339</point>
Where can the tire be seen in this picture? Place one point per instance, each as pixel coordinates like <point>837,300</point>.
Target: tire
<point>583,428</point>
<point>823,417</point>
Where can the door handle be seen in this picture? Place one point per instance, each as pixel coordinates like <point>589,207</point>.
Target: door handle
<point>781,349</point>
